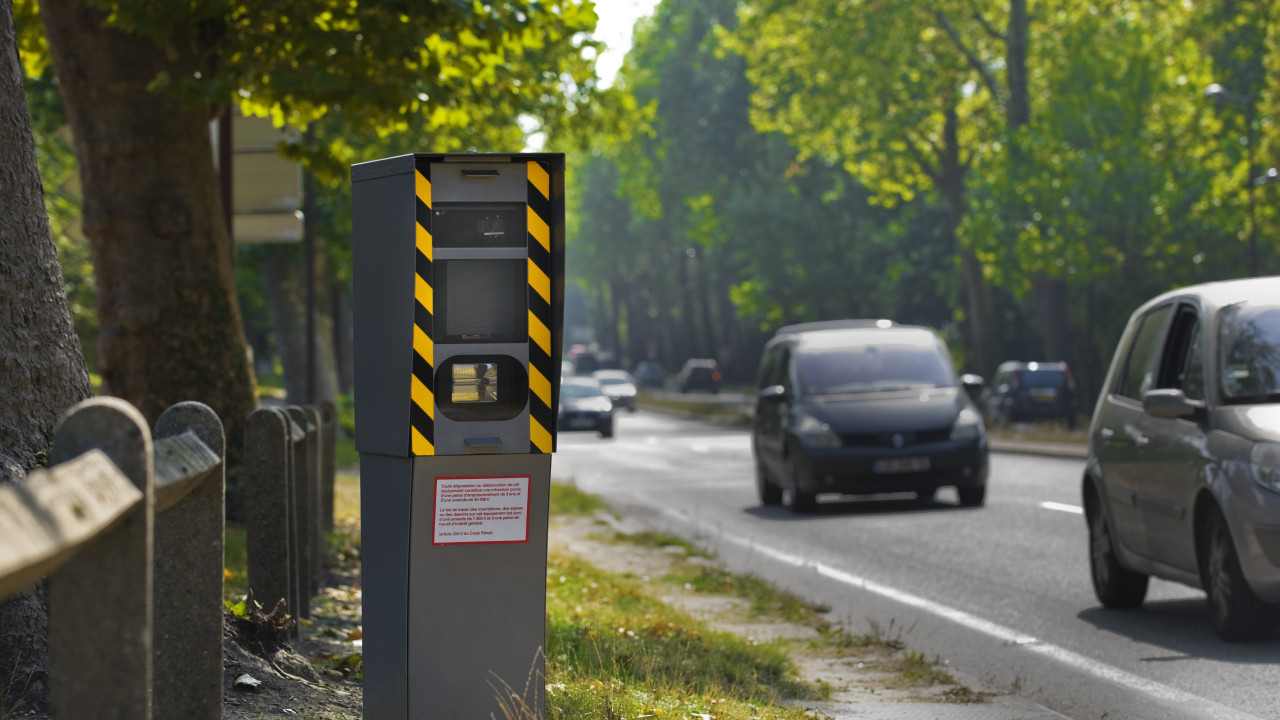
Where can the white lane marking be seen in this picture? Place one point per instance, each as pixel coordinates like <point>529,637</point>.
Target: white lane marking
<point>1074,509</point>
<point>1196,705</point>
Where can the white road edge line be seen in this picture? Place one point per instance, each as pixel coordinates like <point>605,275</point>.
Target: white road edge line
<point>1196,706</point>
<point>1074,509</point>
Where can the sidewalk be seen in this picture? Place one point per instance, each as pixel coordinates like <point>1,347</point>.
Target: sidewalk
<point>861,688</point>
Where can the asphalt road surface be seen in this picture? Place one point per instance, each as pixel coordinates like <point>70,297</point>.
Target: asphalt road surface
<point>1001,592</point>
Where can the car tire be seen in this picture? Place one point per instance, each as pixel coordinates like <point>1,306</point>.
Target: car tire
<point>794,498</point>
<point>972,496</point>
<point>1235,612</point>
<point>770,494</point>
<point>1116,586</point>
<point>606,430</point>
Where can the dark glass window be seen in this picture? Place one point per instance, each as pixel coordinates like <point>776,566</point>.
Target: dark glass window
<point>480,225</point>
<point>500,396</point>
<point>1144,357</point>
<point>482,301</point>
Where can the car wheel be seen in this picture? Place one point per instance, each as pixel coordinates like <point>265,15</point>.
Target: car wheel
<point>972,496</point>
<point>793,497</point>
<point>606,430</point>
<point>1236,613</point>
<point>1115,585</point>
<point>769,493</point>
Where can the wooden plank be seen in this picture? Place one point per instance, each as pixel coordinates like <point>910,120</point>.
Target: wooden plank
<point>182,462</point>
<point>48,516</point>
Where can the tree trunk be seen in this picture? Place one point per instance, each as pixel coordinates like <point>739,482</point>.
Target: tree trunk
<point>1051,303</point>
<point>283,275</point>
<point>42,367</point>
<point>169,320</point>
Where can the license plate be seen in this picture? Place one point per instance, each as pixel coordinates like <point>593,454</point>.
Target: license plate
<point>901,465</point>
<point>1046,395</point>
<point>582,422</point>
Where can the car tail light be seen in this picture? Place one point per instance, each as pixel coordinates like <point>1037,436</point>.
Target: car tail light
<point>715,377</point>
<point>1013,381</point>
<point>1071,381</point>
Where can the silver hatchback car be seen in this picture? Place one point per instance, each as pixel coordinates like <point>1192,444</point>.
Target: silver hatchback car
<point>1183,475</point>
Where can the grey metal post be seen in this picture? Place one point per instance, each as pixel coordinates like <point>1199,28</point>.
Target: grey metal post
<point>100,601</point>
<point>187,635</point>
<point>266,467</point>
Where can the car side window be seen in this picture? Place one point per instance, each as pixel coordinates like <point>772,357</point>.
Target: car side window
<point>1183,366</point>
<point>1192,380</point>
<point>783,370</point>
<point>767,369</point>
<point>1144,356</point>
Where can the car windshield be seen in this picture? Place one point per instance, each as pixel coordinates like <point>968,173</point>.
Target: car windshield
<point>874,368</point>
<point>613,380</point>
<point>1249,353</point>
<point>579,390</point>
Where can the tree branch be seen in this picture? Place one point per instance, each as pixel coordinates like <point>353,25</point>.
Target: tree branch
<point>921,160</point>
<point>987,78</point>
<point>988,27</point>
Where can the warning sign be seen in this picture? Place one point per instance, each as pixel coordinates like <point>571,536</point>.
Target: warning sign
<point>482,510</point>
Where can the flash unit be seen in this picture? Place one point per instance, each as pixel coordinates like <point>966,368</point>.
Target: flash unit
<point>475,382</point>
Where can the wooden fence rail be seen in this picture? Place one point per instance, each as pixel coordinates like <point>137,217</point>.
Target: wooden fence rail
<point>129,529</point>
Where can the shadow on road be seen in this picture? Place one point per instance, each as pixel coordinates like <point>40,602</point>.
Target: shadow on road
<point>1182,626</point>
<point>860,505</point>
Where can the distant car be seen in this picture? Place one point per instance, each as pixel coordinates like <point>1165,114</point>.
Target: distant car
<point>699,374</point>
<point>1031,392</point>
<point>567,369</point>
<point>1183,476</point>
<point>863,407</point>
<point>651,374</point>
<point>584,406</point>
<point>619,386</point>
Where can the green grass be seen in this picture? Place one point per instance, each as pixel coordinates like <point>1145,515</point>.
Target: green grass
<point>696,406</point>
<point>614,651</point>
<point>567,499</point>
<point>765,599</point>
<point>660,540</point>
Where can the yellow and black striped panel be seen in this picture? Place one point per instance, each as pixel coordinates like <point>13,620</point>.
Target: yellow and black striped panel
<point>541,421</point>
<point>422,426</point>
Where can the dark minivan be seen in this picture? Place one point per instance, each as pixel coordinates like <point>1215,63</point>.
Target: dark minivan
<point>863,407</point>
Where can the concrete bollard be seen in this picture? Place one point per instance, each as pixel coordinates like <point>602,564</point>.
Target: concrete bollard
<point>328,456</point>
<point>100,601</point>
<point>187,635</point>
<point>303,507</point>
<point>268,479</point>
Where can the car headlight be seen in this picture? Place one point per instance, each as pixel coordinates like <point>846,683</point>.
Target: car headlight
<point>968,426</point>
<point>816,434</point>
<point>1265,458</point>
<point>596,404</point>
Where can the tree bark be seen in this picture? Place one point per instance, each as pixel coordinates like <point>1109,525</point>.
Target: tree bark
<point>284,277</point>
<point>42,368</point>
<point>169,321</point>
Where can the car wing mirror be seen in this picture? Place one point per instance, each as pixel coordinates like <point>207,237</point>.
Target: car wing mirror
<point>972,385</point>
<point>772,391</point>
<point>1170,403</point>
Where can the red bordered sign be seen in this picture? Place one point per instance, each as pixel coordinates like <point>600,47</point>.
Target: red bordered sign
<point>471,510</point>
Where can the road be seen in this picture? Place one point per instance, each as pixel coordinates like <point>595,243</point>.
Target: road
<point>1001,592</point>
